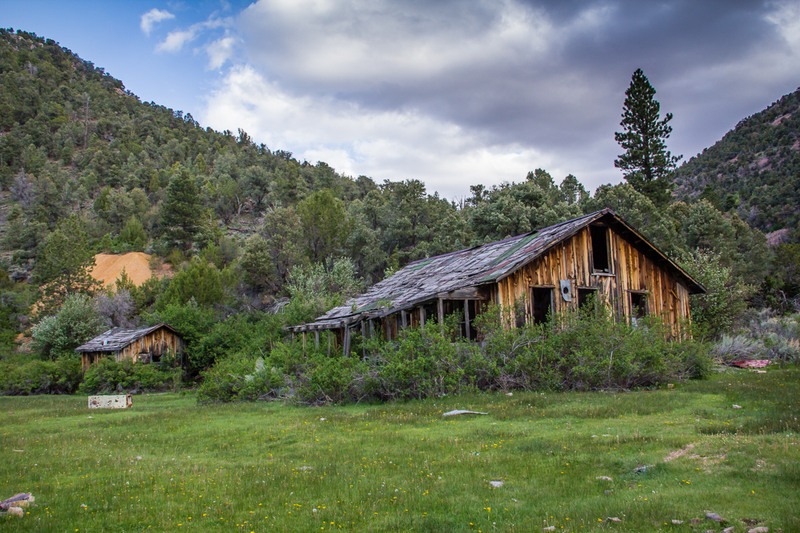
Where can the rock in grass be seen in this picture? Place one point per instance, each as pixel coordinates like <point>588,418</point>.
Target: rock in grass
<point>760,529</point>
<point>496,484</point>
<point>549,528</point>
<point>729,529</point>
<point>15,511</point>
<point>614,519</point>
<point>21,499</point>
<point>677,522</point>
<point>715,517</point>
<point>604,478</point>
<point>463,412</point>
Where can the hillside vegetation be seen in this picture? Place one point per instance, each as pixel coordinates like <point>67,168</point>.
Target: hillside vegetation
<point>259,240</point>
<point>753,170</point>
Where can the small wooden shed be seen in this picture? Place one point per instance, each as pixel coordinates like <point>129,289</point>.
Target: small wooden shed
<point>144,345</point>
<point>533,275</point>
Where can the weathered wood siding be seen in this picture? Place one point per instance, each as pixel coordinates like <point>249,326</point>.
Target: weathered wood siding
<point>631,272</point>
<point>158,342</point>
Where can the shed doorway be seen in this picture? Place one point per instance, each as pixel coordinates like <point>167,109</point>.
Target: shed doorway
<point>542,300</point>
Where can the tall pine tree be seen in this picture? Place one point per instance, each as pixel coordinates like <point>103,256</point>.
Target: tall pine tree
<point>182,210</point>
<point>64,264</point>
<point>647,162</point>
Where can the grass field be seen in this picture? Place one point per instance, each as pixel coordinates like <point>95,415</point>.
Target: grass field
<point>168,464</point>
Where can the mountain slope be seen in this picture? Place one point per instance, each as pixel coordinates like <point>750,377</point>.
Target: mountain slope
<point>754,168</point>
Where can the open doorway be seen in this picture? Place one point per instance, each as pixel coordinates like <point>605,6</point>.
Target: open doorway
<point>542,300</point>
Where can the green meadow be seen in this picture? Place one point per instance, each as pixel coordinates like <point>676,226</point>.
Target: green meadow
<point>169,464</point>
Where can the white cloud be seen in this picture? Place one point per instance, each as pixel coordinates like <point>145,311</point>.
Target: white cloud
<point>383,144</point>
<point>152,17</point>
<point>457,93</point>
<point>220,51</point>
<point>786,18</point>
<point>176,39</point>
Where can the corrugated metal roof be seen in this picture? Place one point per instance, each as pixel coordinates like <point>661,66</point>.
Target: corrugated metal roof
<point>116,339</point>
<point>422,280</point>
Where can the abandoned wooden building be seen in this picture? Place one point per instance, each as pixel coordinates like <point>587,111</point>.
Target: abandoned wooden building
<point>144,345</point>
<point>535,274</point>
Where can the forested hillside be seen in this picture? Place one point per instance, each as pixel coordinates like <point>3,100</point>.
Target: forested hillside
<point>753,170</point>
<point>86,167</point>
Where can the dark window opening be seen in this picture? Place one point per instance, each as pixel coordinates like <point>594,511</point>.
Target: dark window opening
<point>586,297</point>
<point>638,306</point>
<point>542,302</point>
<point>600,249</point>
<point>431,312</point>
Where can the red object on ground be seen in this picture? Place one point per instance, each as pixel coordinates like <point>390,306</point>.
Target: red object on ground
<point>760,363</point>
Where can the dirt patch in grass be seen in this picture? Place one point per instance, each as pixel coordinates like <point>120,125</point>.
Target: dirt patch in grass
<point>678,453</point>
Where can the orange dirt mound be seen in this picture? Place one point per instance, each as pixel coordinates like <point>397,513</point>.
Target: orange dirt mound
<point>108,267</point>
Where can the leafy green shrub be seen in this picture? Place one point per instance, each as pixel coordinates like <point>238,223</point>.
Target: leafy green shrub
<point>108,375</point>
<point>193,322</point>
<point>240,377</point>
<point>573,351</point>
<point>75,323</point>
<point>330,379</point>
<point>423,362</point>
<point>591,350</point>
<point>246,333</point>
<point>726,300</point>
<point>61,376</point>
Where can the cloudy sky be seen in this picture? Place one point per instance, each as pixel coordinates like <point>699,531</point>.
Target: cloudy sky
<point>454,93</point>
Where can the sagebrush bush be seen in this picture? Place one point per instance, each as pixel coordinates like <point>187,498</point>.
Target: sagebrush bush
<point>765,336</point>
<point>738,348</point>
<point>108,375</point>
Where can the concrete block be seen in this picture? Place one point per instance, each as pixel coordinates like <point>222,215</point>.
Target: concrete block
<point>116,401</point>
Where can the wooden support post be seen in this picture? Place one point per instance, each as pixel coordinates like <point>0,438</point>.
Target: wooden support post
<point>316,339</point>
<point>440,306</point>
<point>304,343</point>
<point>346,341</point>
<point>422,315</point>
<point>363,338</point>
<point>371,328</point>
<point>466,319</point>
<point>403,318</point>
<point>328,334</point>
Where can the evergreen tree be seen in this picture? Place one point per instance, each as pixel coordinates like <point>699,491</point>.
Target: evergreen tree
<point>65,263</point>
<point>182,211</point>
<point>647,162</point>
<point>325,226</point>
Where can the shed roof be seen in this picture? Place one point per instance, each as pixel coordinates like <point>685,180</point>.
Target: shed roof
<point>116,339</point>
<point>424,279</point>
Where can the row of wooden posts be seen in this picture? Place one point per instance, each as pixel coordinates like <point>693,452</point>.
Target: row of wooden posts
<point>404,323</point>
